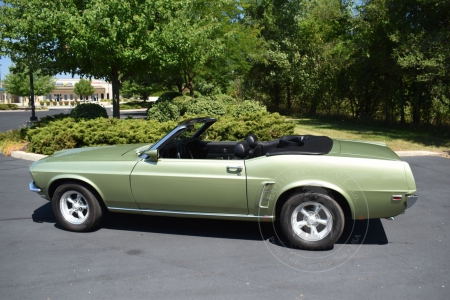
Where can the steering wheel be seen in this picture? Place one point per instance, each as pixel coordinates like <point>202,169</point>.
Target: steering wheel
<point>182,150</point>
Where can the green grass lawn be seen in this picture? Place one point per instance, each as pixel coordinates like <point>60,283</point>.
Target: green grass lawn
<point>396,139</point>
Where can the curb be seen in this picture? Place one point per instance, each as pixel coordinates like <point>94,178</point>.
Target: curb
<point>27,156</point>
<point>417,153</point>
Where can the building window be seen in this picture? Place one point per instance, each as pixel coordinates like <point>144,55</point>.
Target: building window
<point>71,96</point>
<point>107,95</point>
<point>50,97</point>
<point>65,96</point>
<point>102,96</point>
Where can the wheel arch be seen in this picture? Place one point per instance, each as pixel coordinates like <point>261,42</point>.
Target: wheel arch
<point>339,195</point>
<point>57,181</point>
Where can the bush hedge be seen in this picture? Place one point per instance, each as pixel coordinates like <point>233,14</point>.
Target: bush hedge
<point>206,107</point>
<point>182,102</point>
<point>8,106</point>
<point>247,107</point>
<point>63,132</point>
<point>84,129</point>
<point>163,112</point>
<point>168,96</point>
<point>265,125</point>
<point>72,133</point>
<point>88,111</point>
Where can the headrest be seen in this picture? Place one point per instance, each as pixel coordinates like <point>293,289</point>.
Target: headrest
<point>241,149</point>
<point>251,140</point>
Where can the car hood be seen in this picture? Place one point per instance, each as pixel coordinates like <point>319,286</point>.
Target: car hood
<point>102,153</point>
<point>365,149</point>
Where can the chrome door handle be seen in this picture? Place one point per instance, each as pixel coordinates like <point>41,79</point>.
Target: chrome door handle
<point>238,168</point>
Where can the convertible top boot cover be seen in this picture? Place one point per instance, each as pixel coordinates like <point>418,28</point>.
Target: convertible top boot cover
<point>302,145</point>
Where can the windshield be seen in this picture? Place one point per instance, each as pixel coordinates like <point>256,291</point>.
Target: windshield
<point>188,129</point>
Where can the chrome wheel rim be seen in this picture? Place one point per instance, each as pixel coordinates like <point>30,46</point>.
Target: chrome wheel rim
<point>311,221</point>
<point>74,207</point>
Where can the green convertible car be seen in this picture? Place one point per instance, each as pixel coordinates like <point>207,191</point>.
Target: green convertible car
<point>312,185</point>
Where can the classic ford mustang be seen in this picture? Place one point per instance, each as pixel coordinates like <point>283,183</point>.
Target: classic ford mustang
<point>312,185</point>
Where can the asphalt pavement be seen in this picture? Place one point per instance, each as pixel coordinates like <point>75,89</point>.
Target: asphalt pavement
<point>18,118</point>
<point>144,257</point>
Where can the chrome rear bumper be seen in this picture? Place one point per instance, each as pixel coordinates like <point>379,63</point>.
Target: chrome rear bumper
<point>32,186</point>
<point>411,200</point>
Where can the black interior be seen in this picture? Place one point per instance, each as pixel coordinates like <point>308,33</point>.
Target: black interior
<point>195,148</point>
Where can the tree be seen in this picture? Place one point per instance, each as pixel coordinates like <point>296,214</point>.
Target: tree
<point>26,35</point>
<point>302,57</point>
<point>83,88</point>
<point>421,33</point>
<point>201,37</point>
<point>144,86</point>
<point>112,40</point>
<point>18,83</point>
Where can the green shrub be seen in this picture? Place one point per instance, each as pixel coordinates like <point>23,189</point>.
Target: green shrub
<point>88,111</point>
<point>182,102</point>
<point>168,96</point>
<point>163,112</point>
<point>12,140</point>
<point>226,99</point>
<point>206,107</point>
<point>247,107</point>
<point>8,106</point>
<point>72,133</point>
<point>265,125</point>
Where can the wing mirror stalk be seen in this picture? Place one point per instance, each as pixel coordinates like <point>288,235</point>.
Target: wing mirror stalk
<point>152,155</point>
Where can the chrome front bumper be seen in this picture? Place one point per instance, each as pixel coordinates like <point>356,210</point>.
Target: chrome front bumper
<point>32,186</point>
<point>411,200</point>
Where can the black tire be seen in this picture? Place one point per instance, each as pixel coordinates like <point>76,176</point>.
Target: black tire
<point>319,221</point>
<point>76,208</point>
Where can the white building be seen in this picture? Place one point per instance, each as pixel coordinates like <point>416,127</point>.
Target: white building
<point>65,92</point>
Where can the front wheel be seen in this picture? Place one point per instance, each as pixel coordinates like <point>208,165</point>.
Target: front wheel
<point>76,208</point>
<point>312,221</point>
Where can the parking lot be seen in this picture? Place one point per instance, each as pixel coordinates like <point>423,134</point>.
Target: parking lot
<point>18,118</point>
<point>136,257</point>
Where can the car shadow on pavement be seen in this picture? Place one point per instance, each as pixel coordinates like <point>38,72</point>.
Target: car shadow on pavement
<point>355,232</point>
<point>44,214</point>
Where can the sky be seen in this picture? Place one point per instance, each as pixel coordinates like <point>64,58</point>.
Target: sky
<point>6,62</point>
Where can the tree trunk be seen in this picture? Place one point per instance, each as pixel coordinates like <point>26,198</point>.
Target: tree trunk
<point>288,96</point>
<point>189,83</point>
<point>277,95</point>
<point>115,94</point>
<point>33,109</point>
<point>180,87</point>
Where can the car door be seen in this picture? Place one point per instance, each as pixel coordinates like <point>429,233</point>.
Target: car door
<point>193,185</point>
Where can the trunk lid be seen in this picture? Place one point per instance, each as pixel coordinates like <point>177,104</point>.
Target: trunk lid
<point>365,149</point>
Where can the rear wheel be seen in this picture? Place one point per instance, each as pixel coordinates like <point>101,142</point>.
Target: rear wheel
<point>76,208</point>
<point>312,221</point>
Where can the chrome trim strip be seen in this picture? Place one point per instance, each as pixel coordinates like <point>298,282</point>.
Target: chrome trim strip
<point>167,137</point>
<point>411,200</point>
<point>32,186</point>
<point>265,194</point>
<point>188,213</point>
